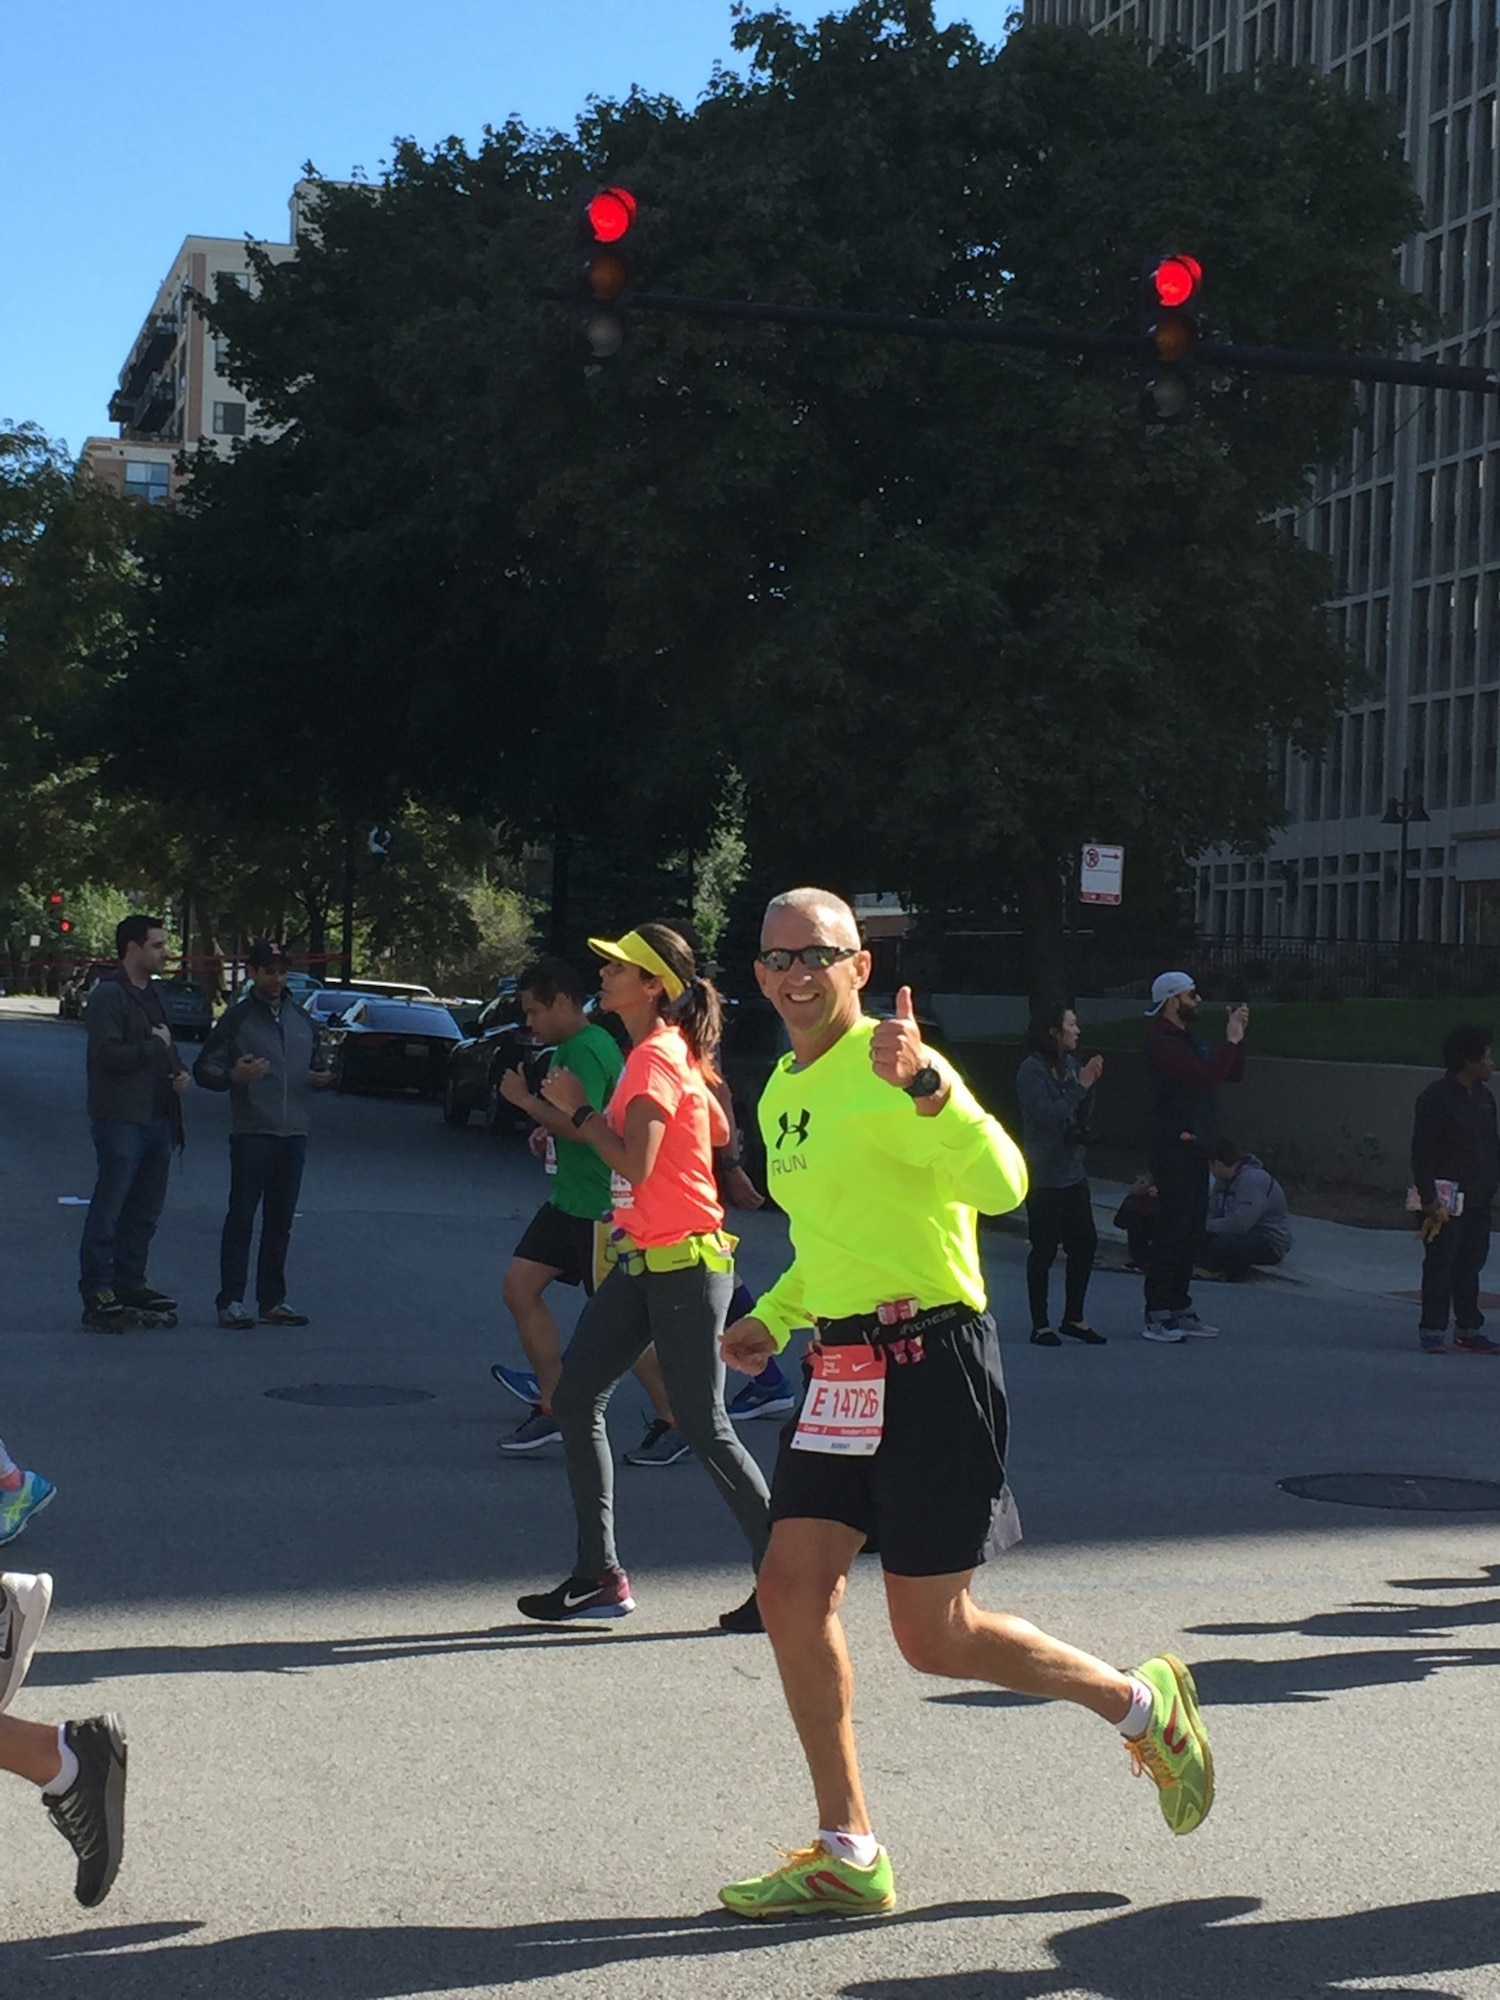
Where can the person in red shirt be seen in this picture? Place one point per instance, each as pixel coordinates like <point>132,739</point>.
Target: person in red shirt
<point>1183,1076</point>
<point>673,1265</point>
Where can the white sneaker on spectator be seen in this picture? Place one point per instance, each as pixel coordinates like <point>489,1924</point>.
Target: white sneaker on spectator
<point>1189,1322</point>
<point>24,1603</point>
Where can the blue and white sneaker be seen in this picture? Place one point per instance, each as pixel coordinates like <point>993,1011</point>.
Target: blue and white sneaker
<point>521,1383</point>
<point>763,1399</point>
<point>16,1509</point>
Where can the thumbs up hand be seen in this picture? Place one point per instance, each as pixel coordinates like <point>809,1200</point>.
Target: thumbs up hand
<point>896,1052</point>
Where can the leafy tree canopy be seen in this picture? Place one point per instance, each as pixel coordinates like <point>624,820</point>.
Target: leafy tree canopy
<point>949,611</point>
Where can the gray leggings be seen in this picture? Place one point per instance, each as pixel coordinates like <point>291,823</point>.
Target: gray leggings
<point>682,1312</point>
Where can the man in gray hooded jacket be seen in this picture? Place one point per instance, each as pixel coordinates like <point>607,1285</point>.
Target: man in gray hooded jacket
<point>1248,1223</point>
<point>266,1052</point>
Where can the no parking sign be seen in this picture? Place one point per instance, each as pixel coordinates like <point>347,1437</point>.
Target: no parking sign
<point>1101,874</point>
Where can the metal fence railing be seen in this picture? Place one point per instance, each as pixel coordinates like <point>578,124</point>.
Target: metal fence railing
<point>961,961</point>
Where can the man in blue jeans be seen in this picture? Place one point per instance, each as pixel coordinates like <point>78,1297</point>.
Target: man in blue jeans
<point>266,1052</point>
<point>135,1077</point>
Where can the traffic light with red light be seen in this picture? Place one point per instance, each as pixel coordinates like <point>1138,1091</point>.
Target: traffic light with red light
<point>1169,337</point>
<point>64,926</point>
<point>605,221</point>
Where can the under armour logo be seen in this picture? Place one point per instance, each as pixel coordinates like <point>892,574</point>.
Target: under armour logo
<point>789,1128</point>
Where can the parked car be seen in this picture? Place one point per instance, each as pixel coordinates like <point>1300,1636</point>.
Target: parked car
<point>326,1003</point>
<point>186,1004</point>
<point>394,989</point>
<point>300,984</point>
<point>75,991</point>
<point>379,1043</point>
<point>500,1040</point>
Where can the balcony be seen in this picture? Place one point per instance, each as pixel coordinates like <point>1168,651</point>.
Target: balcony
<point>148,412</point>
<point>152,348</point>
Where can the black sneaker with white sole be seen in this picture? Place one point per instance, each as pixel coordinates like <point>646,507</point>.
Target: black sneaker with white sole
<point>606,1596</point>
<point>90,1814</point>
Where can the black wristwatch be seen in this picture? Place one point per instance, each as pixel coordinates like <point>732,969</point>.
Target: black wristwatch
<point>582,1116</point>
<point>926,1083</point>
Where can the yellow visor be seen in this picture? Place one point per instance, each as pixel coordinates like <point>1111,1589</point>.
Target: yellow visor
<point>632,949</point>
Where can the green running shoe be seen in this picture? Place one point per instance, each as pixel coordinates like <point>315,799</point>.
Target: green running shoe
<point>814,1883</point>
<point>1174,1751</point>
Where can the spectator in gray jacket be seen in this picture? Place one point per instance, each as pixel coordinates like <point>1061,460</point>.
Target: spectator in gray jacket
<point>135,1077</point>
<point>267,1053</point>
<point>1056,1099</point>
<point>1247,1215</point>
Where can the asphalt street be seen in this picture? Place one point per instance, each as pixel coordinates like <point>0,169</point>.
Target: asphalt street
<point>357,1775</point>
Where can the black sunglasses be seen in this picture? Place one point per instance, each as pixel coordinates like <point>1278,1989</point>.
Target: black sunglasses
<point>816,957</point>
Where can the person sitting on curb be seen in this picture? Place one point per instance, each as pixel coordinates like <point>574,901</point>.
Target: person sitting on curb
<point>1454,1138</point>
<point>1247,1215</point>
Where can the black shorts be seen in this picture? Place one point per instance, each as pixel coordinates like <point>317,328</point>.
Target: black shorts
<point>571,1245</point>
<point>932,1499</point>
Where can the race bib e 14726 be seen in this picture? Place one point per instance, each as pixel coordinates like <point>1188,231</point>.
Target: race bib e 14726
<point>844,1410</point>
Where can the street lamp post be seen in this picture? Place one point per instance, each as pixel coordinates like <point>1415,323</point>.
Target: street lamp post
<point>1404,812</point>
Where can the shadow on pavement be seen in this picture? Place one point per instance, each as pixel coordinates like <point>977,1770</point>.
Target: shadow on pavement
<point>1254,1683</point>
<point>1192,1951</point>
<point>296,1656</point>
<point>385,1962</point>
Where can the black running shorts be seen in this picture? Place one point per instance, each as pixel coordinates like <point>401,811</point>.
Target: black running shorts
<point>932,1499</point>
<point>571,1245</point>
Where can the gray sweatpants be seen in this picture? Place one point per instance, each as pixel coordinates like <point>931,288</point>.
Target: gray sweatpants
<point>682,1313</point>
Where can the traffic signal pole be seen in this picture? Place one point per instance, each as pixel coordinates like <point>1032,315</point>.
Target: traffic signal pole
<point>1068,340</point>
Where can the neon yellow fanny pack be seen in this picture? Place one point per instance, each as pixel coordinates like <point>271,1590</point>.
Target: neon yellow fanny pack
<point>715,1251</point>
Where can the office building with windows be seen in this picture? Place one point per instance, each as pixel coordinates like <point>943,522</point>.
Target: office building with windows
<point>174,393</point>
<point>1410,518</point>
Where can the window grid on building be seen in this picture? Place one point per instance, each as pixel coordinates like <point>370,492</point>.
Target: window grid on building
<point>1410,519</point>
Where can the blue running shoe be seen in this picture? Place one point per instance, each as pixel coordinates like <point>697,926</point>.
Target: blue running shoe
<point>16,1509</point>
<point>521,1383</point>
<point>762,1399</point>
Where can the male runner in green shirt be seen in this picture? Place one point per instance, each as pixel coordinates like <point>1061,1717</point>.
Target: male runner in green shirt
<point>881,1157</point>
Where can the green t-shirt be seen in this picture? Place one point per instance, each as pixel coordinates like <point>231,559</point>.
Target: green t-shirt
<point>882,1201</point>
<point>581,1186</point>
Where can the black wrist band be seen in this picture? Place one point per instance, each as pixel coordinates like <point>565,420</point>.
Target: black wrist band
<point>582,1116</point>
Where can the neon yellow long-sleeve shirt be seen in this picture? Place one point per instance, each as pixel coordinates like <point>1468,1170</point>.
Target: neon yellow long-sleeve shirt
<point>883,1202</point>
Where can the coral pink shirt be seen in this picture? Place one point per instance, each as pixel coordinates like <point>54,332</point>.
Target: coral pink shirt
<point>679,1197</point>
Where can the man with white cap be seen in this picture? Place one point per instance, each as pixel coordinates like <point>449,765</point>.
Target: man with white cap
<point>1183,1076</point>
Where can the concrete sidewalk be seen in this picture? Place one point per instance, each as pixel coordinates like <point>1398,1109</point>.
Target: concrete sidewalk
<point>1382,1262</point>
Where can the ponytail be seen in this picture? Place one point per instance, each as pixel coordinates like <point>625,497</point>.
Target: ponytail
<point>697,1010</point>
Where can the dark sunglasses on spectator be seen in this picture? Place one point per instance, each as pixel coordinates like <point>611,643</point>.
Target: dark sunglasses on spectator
<point>816,957</point>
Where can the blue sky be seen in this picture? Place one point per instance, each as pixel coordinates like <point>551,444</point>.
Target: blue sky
<point>126,129</point>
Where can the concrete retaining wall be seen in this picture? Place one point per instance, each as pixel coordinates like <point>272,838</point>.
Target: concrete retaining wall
<point>964,1016</point>
<point>1339,1121</point>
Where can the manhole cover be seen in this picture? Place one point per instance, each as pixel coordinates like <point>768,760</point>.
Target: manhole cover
<point>349,1395</point>
<point>1414,1491</point>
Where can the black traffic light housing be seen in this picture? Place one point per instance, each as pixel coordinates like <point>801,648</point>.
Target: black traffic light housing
<point>1170,286</point>
<point>606,219</point>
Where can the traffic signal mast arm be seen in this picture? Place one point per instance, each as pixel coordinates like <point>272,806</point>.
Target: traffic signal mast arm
<point>1061,340</point>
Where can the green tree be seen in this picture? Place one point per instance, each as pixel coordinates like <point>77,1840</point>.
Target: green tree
<point>67,567</point>
<point>949,611</point>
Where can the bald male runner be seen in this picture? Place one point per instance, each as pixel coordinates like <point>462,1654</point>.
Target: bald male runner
<point>882,1160</point>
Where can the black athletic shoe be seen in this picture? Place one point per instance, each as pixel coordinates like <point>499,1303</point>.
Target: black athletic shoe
<point>103,1312</point>
<point>145,1299</point>
<point>605,1596</point>
<point>1044,1336</point>
<point>90,1814</point>
<point>1079,1329</point>
<point>744,1617</point>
